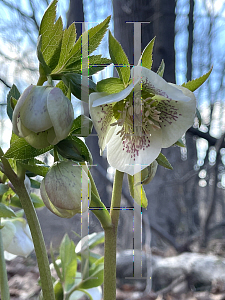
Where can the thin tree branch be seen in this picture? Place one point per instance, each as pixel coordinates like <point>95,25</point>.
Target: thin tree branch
<point>5,83</point>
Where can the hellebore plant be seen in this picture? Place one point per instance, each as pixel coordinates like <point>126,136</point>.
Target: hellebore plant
<point>135,116</point>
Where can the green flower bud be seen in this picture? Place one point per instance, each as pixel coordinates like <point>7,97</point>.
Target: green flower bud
<point>43,116</point>
<point>65,189</point>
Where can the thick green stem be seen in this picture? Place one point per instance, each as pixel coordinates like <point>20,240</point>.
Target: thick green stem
<point>4,288</point>
<point>111,239</point>
<point>35,228</point>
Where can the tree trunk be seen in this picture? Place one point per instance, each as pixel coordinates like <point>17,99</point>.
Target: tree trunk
<point>190,40</point>
<point>76,14</point>
<point>132,11</point>
<point>164,30</point>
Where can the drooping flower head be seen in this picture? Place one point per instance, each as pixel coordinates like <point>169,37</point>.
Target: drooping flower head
<point>149,114</point>
<point>43,116</point>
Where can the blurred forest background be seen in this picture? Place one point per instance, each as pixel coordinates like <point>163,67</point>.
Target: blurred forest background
<point>186,208</point>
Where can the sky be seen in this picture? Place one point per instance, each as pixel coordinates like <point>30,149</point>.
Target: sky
<point>203,57</point>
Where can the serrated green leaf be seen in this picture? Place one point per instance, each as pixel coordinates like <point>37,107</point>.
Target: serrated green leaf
<point>78,89</point>
<point>41,59</point>
<point>20,149</point>
<point>95,64</point>
<point>161,68</point>
<point>51,33</point>
<point>13,92</point>
<point>110,85</point>
<point>90,241</point>
<point>38,170</point>
<point>6,212</point>
<point>89,40</point>
<point>163,161</point>
<point>137,191</point>
<point>119,59</point>
<point>68,40</point>
<point>146,57</point>
<point>82,126</point>
<point>198,115</point>
<point>196,83</point>
<point>68,262</point>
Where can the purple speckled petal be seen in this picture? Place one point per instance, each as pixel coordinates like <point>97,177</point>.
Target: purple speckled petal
<point>155,84</point>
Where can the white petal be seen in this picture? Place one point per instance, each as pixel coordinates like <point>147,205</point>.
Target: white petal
<point>152,82</point>
<point>124,158</point>
<point>102,117</point>
<point>9,256</point>
<point>34,113</point>
<point>177,118</point>
<point>21,243</point>
<point>8,232</point>
<point>61,114</point>
<point>107,99</point>
<point>96,293</point>
<point>19,104</point>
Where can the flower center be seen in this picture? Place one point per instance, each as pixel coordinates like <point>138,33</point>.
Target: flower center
<point>137,117</point>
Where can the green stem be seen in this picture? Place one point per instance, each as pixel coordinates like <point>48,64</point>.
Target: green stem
<point>97,206</point>
<point>35,228</point>
<point>4,288</point>
<point>111,239</point>
<point>41,80</point>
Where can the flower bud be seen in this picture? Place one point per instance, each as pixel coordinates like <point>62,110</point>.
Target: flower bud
<point>65,189</point>
<point>16,237</point>
<point>43,116</point>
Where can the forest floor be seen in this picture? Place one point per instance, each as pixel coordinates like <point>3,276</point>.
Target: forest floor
<point>23,277</point>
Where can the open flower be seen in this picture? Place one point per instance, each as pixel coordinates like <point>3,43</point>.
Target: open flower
<point>43,116</point>
<point>16,238</point>
<point>137,122</point>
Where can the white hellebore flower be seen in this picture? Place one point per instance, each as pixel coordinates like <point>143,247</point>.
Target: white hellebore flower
<point>43,116</point>
<point>137,122</point>
<point>16,237</point>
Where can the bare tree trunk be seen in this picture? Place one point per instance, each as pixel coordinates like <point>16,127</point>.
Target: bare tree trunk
<point>190,40</point>
<point>132,11</point>
<point>163,29</point>
<point>75,14</point>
